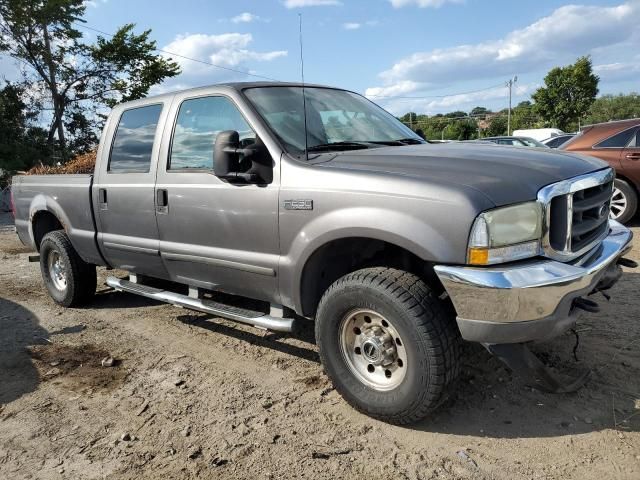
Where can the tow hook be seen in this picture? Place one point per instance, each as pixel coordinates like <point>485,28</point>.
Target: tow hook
<point>627,262</point>
<point>519,358</point>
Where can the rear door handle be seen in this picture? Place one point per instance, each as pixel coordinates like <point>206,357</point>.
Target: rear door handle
<point>633,156</point>
<point>162,200</point>
<point>102,198</point>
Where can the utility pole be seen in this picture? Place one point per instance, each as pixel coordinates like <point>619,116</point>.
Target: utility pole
<point>509,84</point>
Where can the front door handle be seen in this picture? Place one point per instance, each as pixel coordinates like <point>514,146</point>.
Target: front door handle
<point>633,156</point>
<point>162,200</point>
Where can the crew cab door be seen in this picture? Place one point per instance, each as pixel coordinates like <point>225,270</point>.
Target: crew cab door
<point>214,234</point>
<point>123,192</point>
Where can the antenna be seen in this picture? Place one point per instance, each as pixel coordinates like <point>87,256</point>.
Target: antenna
<point>304,98</point>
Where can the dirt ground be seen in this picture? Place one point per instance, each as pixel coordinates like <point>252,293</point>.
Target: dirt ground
<point>191,396</point>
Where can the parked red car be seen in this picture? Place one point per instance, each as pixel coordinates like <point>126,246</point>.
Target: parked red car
<point>618,143</point>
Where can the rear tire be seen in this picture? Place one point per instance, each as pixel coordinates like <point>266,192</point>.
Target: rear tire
<point>624,202</point>
<point>70,281</point>
<point>393,312</point>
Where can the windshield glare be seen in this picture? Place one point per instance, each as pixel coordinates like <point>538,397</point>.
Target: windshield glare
<point>532,142</point>
<point>333,116</point>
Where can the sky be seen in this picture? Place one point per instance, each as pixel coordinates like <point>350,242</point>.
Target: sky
<point>426,56</point>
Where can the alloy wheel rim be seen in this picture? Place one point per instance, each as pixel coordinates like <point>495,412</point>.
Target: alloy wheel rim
<point>57,271</point>
<point>618,204</point>
<point>373,349</point>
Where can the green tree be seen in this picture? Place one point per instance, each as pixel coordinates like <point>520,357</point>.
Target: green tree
<point>78,78</point>
<point>433,127</point>
<point>21,143</point>
<point>464,129</point>
<point>455,114</point>
<point>568,94</point>
<point>614,107</point>
<point>523,116</point>
<point>478,111</point>
<point>497,127</point>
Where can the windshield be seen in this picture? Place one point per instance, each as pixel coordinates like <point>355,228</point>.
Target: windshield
<point>532,142</point>
<point>334,118</point>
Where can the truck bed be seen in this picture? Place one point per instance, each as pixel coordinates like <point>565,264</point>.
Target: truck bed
<point>65,197</point>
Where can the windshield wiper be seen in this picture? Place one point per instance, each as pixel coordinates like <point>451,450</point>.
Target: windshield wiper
<point>340,146</point>
<point>400,142</point>
<point>410,141</point>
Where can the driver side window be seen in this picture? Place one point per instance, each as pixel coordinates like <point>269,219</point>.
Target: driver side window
<point>199,122</point>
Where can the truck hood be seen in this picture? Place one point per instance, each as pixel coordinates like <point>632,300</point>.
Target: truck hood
<point>504,174</point>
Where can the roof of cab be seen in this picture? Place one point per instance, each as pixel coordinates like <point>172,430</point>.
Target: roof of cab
<point>239,86</point>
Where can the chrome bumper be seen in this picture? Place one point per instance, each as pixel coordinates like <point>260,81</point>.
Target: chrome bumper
<point>528,300</point>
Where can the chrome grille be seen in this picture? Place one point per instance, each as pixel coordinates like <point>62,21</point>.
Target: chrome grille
<point>576,214</point>
<point>590,215</point>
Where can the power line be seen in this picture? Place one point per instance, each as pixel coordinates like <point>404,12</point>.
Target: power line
<point>204,62</point>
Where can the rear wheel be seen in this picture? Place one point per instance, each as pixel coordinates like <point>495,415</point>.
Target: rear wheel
<point>70,281</point>
<point>388,344</point>
<point>624,201</point>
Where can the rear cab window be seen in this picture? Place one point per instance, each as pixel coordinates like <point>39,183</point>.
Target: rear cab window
<point>133,141</point>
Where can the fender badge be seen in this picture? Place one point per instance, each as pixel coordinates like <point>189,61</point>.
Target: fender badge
<point>298,204</point>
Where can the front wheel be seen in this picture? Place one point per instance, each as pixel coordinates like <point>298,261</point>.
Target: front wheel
<point>624,201</point>
<point>70,281</point>
<point>388,344</point>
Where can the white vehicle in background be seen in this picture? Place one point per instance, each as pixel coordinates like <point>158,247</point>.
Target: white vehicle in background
<point>538,133</point>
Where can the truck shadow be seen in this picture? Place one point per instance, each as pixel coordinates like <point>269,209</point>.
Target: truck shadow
<point>19,329</point>
<point>303,345</point>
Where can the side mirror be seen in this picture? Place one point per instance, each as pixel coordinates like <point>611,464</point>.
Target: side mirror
<point>252,164</point>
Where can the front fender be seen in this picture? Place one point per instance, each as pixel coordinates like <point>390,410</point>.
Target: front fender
<point>399,228</point>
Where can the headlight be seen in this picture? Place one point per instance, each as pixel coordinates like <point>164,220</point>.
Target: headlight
<point>506,234</point>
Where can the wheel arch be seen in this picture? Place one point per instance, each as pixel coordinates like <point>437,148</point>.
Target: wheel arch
<point>631,183</point>
<point>340,256</point>
<point>45,215</point>
<point>635,189</point>
<point>43,222</point>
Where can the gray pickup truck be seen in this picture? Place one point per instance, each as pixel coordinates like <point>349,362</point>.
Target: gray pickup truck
<point>315,203</point>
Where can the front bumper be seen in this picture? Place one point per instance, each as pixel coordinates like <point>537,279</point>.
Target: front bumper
<point>529,300</point>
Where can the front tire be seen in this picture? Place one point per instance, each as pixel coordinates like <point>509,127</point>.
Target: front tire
<point>69,280</point>
<point>624,202</point>
<point>388,344</point>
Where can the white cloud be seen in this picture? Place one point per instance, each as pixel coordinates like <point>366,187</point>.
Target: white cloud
<point>617,71</point>
<point>310,3</point>
<point>245,17</point>
<point>422,3</point>
<point>397,89</point>
<point>359,25</point>
<point>227,49</point>
<point>559,38</point>
<point>94,3</point>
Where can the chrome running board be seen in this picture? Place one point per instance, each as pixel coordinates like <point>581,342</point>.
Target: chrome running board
<point>242,315</point>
